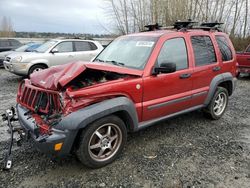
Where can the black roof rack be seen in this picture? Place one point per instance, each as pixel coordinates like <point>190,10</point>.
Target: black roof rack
<point>153,27</point>
<point>184,25</point>
<point>211,24</point>
<point>208,26</point>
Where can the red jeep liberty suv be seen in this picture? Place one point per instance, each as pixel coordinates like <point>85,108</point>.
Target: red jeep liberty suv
<point>139,79</point>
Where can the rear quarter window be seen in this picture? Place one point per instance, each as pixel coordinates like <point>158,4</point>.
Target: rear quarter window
<point>225,50</point>
<point>203,50</point>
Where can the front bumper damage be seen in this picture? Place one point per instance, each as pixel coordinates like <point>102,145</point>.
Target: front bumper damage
<point>10,116</point>
<point>57,143</point>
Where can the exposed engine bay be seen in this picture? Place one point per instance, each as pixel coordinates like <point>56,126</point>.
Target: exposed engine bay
<point>91,77</point>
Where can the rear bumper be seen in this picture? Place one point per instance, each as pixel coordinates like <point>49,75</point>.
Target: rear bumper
<point>46,143</point>
<point>244,69</point>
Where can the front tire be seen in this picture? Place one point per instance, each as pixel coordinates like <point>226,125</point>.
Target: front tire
<point>218,104</point>
<point>36,68</point>
<point>101,142</point>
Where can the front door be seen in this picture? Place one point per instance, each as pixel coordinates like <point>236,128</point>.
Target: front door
<point>166,94</point>
<point>64,54</point>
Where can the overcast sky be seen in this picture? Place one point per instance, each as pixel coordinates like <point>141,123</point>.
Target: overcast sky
<point>69,16</point>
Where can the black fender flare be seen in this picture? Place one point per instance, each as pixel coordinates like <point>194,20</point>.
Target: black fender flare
<point>217,80</point>
<point>83,117</point>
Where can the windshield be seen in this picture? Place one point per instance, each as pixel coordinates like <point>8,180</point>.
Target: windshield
<point>45,46</point>
<point>129,51</point>
<point>23,48</point>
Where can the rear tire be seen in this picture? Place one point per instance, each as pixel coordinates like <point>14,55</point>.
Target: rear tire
<point>101,142</point>
<point>217,105</point>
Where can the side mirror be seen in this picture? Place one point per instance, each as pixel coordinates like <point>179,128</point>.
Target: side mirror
<point>54,50</point>
<point>165,68</point>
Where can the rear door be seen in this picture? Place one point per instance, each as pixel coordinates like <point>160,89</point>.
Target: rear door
<point>166,94</point>
<point>206,66</point>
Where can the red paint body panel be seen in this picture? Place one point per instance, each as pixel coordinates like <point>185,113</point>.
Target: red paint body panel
<point>243,60</point>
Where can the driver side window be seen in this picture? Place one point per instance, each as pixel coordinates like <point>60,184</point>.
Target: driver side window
<point>174,51</point>
<point>64,47</point>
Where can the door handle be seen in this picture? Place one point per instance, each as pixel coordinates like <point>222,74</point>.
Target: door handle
<point>216,69</point>
<point>70,56</point>
<point>184,76</point>
<point>248,59</point>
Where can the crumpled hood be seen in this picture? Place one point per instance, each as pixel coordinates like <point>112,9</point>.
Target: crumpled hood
<point>56,77</point>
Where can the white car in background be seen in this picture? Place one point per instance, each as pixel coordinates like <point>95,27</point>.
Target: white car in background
<point>51,53</point>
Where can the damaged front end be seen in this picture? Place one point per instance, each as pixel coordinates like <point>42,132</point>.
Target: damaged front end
<point>44,106</point>
<point>47,101</point>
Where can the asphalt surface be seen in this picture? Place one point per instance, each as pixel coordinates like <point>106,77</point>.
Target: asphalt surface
<point>187,151</point>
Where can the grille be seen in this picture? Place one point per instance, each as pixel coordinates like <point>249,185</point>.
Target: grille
<point>37,99</point>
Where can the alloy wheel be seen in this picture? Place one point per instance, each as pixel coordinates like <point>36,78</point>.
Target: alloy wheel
<point>220,104</point>
<point>105,142</point>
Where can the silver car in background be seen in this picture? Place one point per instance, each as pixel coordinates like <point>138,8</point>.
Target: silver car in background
<point>51,53</point>
<point>29,47</point>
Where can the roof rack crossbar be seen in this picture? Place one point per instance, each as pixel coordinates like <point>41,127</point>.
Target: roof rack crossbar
<point>180,25</point>
<point>153,27</point>
<point>211,24</point>
<point>185,25</point>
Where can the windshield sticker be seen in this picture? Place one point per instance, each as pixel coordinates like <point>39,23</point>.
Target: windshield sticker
<point>145,43</point>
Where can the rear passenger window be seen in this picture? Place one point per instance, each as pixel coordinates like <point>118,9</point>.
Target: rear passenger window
<point>93,46</point>
<point>203,50</point>
<point>84,46</point>
<point>225,50</point>
<point>174,51</point>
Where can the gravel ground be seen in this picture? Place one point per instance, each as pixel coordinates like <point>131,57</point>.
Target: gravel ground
<point>187,151</point>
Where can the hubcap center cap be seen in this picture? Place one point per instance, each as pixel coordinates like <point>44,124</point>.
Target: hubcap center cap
<point>105,142</point>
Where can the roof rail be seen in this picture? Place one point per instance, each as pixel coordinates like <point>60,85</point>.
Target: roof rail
<point>75,37</point>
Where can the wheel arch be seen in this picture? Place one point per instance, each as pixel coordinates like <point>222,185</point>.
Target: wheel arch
<point>225,80</point>
<point>123,107</point>
<point>77,121</point>
<point>43,64</point>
